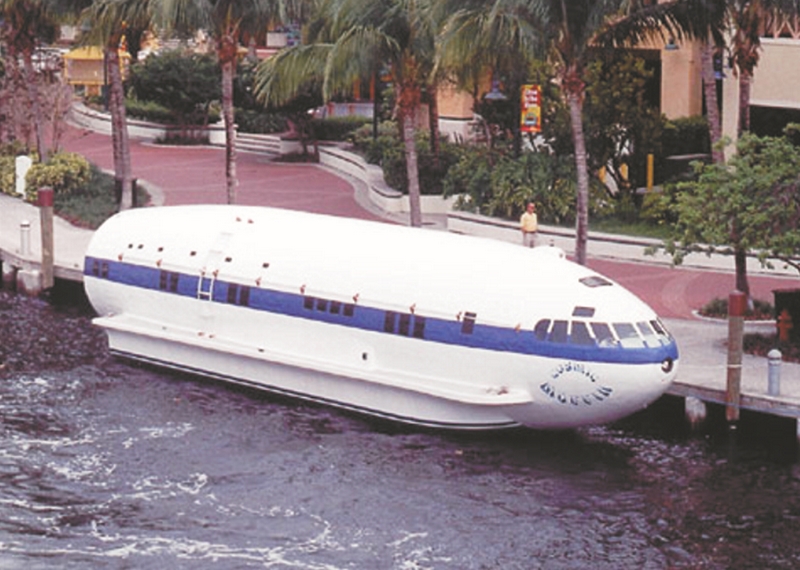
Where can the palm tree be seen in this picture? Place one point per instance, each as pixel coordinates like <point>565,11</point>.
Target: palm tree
<point>25,23</point>
<point>571,30</point>
<point>109,22</point>
<point>747,19</point>
<point>353,39</point>
<point>230,22</point>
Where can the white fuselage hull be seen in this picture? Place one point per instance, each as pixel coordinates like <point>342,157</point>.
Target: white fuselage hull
<point>306,353</point>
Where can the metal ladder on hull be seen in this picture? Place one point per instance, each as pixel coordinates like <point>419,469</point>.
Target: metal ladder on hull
<point>208,274</point>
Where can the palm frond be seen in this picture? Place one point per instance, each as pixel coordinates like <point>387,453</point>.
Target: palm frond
<point>280,78</point>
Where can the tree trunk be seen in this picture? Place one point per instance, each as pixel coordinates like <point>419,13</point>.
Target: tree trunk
<point>376,104</point>
<point>228,72</point>
<point>712,105</point>
<point>745,80</point>
<point>742,284</point>
<point>433,123</point>
<point>582,168</point>
<point>32,84</point>
<point>119,126</point>
<point>412,168</point>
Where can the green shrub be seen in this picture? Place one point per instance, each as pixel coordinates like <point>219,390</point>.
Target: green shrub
<point>13,148</point>
<point>148,111</point>
<point>495,184</point>
<point>470,177</point>
<point>90,205</point>
<point>547,180</point>
<point>389,152</point>
<point>337,128</point>
<point>373,150</point>
<point>718,308</point>
<point>260,122</point>
<point>687,135</point>
<point>8,176</point>
<point>66,173</point>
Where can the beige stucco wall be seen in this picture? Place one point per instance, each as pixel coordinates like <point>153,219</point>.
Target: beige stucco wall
<point>681,84</point>
<point>776,80</point>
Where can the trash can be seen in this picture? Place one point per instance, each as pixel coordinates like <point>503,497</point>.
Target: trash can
<point>789,299</point>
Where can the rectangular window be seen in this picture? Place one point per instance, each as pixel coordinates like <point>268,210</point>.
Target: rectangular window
<point>322,304</point>
<point>349,309</point>
<point>419,327</point>
<point>336,307</point>
<point>595,281</point>
<point>244,296</point>
<point>468,323</point>
<point>173,281</point>
<point>104,270</point>
<point>405,324</point>
<point>233,292</point>
<point>389,321</point>
<point>96,268</point>
<point>308,303</point>
<point>162,280</point>
<point>587,312</point>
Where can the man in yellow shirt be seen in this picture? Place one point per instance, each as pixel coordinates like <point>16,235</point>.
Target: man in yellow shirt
<point>529,224</point>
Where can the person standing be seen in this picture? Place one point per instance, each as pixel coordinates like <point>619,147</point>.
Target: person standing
<point>529,224</point>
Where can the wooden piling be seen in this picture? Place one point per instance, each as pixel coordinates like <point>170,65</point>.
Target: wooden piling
<point>45,199</point>
<point>737,304</point>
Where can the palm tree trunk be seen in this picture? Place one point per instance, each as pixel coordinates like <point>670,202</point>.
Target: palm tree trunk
<point>412,168</point>
<point>745,80</point>
<point>433,122</point>
<point>119,127</point>
<point>228,71</point>
<point>582,168</point>
<point>712,105</point>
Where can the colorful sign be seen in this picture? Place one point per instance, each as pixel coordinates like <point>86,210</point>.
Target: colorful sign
<point>531,109</point>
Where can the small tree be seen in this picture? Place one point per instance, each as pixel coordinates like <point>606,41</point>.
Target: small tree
<point>620,126</point>
<point>752,204</point>
<point>186,84</point>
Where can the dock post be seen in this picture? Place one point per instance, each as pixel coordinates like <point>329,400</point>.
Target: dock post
<point>45,199</point>
<point>737,304</point>
<point>9,276</point>
<point>25,238</point>
<point>774,358</point>
<point>696,411</point>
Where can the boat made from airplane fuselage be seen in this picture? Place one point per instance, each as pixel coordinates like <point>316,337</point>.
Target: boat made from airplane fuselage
<point>414,325</point>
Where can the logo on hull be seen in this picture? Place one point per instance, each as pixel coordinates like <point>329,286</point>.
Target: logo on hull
<point>575,384</point>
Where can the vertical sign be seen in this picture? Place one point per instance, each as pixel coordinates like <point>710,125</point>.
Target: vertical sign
<point>531,109</point>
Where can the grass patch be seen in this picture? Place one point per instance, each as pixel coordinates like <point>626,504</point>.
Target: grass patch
<point>93,204</point>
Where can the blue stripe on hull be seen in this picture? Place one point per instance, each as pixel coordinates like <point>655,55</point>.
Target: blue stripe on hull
<point>372,319</point>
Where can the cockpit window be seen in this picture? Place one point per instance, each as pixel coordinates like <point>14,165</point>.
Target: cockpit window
<point>602,332</point>
<point>628,335</point>
<point>650,337</point>
<point>559,332</point>
<point>580,334</point>
<point>604,335</point>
